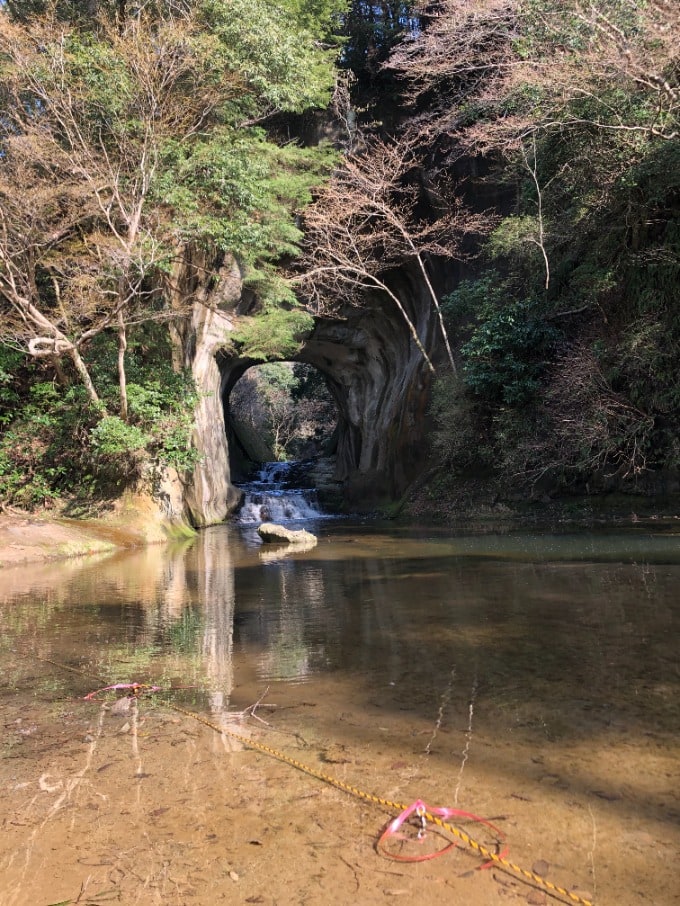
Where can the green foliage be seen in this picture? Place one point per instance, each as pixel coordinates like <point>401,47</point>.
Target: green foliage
<point>310,383</point>
<point>510,341</point>
<point>512,235</point>
<point>486,293</point>
<point>321,17</point>
<point>283,411</point>
<point>226,184</point>
<point>236,190</point>
<point>598,190</point>
<point>57,444</point>
<point>561,24</point>
<point>276,334</point>
<point>41,448</point>
<point>112,437</point>
<point>508,353</point>
<point>516,239</point>
<point>277,376</point>
<point>161,403</point>
<point>138,140</point>
<point>267,44</point>
<point>164,405</point>
<point>10,368</point>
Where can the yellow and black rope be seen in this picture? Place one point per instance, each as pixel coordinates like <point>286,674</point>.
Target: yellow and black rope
<point>483,851</point>
<point>500,861</point>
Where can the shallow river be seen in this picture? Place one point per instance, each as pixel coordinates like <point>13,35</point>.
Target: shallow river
<point>531,679</point>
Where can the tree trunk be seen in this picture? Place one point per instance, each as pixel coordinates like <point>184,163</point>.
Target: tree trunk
<point>81,368</point>
<point>122,377</point>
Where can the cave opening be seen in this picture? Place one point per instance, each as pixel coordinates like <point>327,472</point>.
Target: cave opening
<point>282,426</point>
<point>278,412</point>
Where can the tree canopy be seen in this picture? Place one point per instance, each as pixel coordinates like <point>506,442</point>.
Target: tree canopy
<point>572,319</point>
<point>537,140</point>
<point>128,133</point>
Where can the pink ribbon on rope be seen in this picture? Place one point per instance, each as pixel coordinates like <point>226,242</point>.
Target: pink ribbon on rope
<point>421,810</point>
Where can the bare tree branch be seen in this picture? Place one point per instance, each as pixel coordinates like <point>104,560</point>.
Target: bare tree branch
<point>82,240</point>
<point>364,224</point>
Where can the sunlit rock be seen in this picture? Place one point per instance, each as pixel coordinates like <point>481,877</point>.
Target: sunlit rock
<point>272,532</point>
<point>198,339</point>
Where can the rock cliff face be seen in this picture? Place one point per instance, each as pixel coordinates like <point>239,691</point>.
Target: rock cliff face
<point>208,493</point>
<point>381,385</point>
<point>376,374</point>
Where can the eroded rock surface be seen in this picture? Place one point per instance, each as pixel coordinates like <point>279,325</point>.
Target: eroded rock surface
<point>381,385</point>
<point>272,532</point>
<point>378,377</point>
<point>209,495</point>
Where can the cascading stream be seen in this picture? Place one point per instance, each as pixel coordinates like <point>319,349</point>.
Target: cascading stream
<point>276,495</point>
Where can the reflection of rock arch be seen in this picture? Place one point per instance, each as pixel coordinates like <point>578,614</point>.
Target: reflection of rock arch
<point>375,373</point>
<point>217,596</point>
<point>202,574</point>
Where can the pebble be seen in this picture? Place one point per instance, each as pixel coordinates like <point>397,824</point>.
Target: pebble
<point>537,898</point>
<point>121,705</point>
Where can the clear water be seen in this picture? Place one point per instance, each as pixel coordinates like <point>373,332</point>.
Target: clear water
<point>533,678</point>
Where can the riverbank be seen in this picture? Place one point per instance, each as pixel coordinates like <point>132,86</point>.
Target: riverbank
<point>528,679</point>
<point>134,521</point>
<point>435,498</point>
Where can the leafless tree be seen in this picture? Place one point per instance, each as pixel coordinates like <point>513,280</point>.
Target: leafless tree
<point>472,55</point>
<point>594,429</point>
<point>364,224</point>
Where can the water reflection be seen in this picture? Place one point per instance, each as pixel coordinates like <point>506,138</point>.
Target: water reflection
<point>543,618</point>
<point>543,668</point>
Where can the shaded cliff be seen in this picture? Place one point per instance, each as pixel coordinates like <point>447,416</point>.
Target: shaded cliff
<point>376,374</point>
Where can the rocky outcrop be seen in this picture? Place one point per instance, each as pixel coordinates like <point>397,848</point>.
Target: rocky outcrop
<point>209,495</point>
<point>134,520</point>
<point>271,532</point>
<point>329,490</point>
<point>382,386</point>
<point>376,373</point>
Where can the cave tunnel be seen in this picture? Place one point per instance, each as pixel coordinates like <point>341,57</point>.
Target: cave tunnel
<point>376,375</point>
<point>278,411</point>
<point>373,389</point>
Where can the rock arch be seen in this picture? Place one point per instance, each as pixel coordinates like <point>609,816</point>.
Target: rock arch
<point>378,378</point>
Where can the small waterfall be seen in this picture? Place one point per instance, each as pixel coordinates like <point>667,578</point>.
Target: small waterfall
<point>275,495</point>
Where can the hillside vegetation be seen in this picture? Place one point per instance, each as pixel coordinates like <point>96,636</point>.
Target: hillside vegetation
<point>523,158</point>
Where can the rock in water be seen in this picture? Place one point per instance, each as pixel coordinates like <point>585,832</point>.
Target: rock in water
<point>272,532</point>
